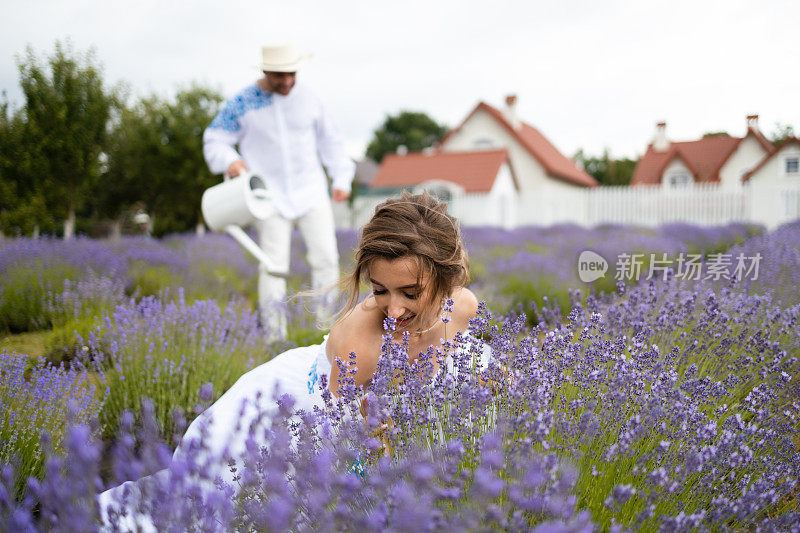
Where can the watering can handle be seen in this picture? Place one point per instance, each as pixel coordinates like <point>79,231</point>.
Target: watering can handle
<point>226,177</point>
<point>243,172</point>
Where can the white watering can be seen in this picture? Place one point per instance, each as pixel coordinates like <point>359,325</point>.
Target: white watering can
<point>238,202</point>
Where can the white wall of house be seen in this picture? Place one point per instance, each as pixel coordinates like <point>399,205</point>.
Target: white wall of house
<point>774,173</point>
<point>503,184</point>
<point>745,157</point>
<point>504,192</point>
<point>775,192</point>
<point>480,132</point>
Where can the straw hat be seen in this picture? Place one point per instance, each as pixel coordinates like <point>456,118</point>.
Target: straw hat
<point>282,58</point>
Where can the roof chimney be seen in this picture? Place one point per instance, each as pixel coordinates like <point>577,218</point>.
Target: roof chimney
<point>511,111</point>
<point>660,141</point>
<point>752,122</point>
<point>402,149</point>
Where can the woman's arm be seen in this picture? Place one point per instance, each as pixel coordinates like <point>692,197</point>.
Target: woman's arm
<point>355,333</point>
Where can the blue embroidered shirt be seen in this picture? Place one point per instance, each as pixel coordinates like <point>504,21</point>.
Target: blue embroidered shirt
<point>284,139</point>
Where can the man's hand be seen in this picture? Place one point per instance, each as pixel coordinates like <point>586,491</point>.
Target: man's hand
<point>340,195</point>
<point>236,168</point>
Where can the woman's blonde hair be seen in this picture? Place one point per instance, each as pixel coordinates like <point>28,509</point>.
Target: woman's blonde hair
<point>416,226</point>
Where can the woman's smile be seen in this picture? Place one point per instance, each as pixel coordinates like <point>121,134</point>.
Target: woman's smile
<point>398,289</point>
<point>403,322</point>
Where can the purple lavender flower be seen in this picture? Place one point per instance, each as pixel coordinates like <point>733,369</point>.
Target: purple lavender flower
<point>669,404</point>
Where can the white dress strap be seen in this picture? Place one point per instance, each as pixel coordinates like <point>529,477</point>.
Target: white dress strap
<point>470,345</point>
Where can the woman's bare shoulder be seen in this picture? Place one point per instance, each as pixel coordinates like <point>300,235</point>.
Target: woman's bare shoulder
<point>465,305</point>
<point>355,332</point>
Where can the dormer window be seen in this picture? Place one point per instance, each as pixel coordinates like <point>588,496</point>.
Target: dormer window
<point>483,143</point>
<point>678,180</point>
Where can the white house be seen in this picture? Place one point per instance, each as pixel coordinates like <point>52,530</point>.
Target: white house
<point>533,164</point>
<point>496,169</point>
<point>538,165</point>
<point>716,158</point>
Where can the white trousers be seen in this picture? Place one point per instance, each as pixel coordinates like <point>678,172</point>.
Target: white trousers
<point>275,236</point>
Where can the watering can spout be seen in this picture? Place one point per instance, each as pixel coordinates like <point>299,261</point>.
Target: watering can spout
<point>238,202</point>
<point>244,239</point>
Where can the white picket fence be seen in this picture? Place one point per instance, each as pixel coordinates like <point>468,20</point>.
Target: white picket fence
<point>645,206</point>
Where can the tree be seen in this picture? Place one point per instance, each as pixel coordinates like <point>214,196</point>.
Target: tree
<point>66,112</point>
<point>10,137</point>
<point>414,130</point>
<point>22,206</point>
<point>155,158</point>
<point>781,133</point>
<point>605,170</point>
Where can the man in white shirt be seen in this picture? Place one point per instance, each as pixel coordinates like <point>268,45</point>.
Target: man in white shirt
<point>284,135</point>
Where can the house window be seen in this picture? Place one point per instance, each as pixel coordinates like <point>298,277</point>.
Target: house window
<point>678,180</point>
<point>792,166</point>
<point>483,143</point>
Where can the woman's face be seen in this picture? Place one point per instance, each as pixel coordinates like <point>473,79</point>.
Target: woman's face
<point>401,293</point>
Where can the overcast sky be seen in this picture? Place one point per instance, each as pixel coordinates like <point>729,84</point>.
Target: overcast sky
<point>588,74</point>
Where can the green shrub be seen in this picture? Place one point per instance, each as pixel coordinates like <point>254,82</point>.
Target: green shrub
<point>24,294</point>
<point>35,398</point>
<point>166,351</point>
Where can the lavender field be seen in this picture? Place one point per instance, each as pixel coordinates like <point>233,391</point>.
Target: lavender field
<point>624,403</point>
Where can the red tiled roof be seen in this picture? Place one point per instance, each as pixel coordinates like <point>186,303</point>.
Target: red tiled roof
<point>773,153</point>
<point>474,171</point>
<point>704,158</point>
<point>553,161</point>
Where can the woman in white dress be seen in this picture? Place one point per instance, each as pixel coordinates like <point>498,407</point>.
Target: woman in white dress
<point>412,256</point>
